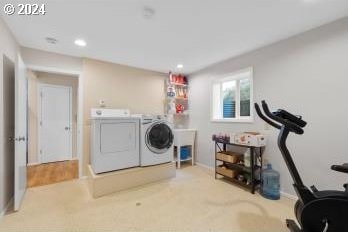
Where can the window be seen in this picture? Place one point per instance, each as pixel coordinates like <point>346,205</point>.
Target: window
<point>232,97</point>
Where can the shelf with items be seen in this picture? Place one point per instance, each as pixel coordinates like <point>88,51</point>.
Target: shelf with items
<point>177,79</point>
<point>236,181</point>
<point>183,160</point>
<point>183,153</point>
<point>181,114</point>
<point>177,98</point>
<point>178,84</point>
<point>177,95</point>
<point>235,166</point>
<point>231,166</point>
<point>181,98</point>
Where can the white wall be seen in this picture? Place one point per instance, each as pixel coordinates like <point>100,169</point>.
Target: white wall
<point>36,58</point>
<point>9,48</point>
<point>120,86</point>
<point>306,74</point>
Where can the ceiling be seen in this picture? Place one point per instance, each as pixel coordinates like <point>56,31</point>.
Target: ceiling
<point>195,33</point>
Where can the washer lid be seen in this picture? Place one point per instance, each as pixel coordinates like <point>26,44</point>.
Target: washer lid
<point>109,113</point>
<point>159,137</point>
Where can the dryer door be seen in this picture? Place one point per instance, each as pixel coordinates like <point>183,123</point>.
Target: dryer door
<point>159,137</point>
<point>115,144</point>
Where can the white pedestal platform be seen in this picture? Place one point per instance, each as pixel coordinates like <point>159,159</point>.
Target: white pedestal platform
<point>110,182</point>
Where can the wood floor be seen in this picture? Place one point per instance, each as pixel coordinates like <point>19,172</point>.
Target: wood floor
<point>43,174</point>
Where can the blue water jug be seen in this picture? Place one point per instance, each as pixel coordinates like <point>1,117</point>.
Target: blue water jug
<point>270,187</point>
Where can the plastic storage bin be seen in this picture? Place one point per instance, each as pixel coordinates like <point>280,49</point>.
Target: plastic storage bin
<point>184,152</point>
<point>270,185</point>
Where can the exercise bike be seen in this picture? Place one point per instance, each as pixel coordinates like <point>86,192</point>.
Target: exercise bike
<point>316,211</point>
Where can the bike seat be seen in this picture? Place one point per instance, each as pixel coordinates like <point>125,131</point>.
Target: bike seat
<point>340,168</point>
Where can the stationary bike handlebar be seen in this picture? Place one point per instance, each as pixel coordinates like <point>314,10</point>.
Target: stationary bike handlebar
<point>290,122</point>
<point>270,122</point>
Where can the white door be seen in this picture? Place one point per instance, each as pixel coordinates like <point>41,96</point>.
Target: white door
<point>20,134</point>
<point>55,113</point>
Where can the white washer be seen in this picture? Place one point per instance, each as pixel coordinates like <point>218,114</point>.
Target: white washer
<point>156,140</point>
<point>114,140</point>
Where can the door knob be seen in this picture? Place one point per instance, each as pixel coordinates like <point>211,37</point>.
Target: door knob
<point>67,128</point>
<point>20,139</point>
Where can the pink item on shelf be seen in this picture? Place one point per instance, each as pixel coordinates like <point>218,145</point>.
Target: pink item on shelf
<point>175,78</point>
<point>180,79</point>
<point>179,108</point>
<point>171,80</point>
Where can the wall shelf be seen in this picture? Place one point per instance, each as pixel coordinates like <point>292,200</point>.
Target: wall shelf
<point>181,114</point>
<point>181,98</point>
<point>177,92</point>
<point>177,98</point>
<point>178,84</point>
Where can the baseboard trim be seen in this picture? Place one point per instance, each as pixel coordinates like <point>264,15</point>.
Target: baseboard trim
<point>38,163</point>
<point>33,164</point>
<point>83,177</point>
<point>204,166</point>
<point>289,196</point>
<point>8,205</point>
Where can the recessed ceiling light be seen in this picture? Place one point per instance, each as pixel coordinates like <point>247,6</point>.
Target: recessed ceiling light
<point>148,12</point>
<point>51,40</point>
<point>180,66</point>
<point>80,42</point>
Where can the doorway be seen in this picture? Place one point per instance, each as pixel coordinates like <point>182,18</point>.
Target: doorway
<point>9,128</point>
<point>52,110</point>
<point>55,123</point>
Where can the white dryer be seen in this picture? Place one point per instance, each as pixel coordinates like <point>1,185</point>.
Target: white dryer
<point>114,140</point>
<point>156,140</point>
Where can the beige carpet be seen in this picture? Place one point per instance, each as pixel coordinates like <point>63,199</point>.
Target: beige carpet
<point>194,201</point>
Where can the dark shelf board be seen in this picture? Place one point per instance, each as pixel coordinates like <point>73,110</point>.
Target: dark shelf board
<point>235,144</point>
<point>240,183</point>
<point>230,153</point>
<point>236,166</point>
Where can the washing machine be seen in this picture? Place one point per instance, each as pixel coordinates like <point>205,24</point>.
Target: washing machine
<point>114,141</point>
<point>156,140</point>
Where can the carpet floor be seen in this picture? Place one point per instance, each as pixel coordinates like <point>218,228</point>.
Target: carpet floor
<point>193,201</point>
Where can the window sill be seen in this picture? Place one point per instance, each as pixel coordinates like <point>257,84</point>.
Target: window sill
<point>233,120</point>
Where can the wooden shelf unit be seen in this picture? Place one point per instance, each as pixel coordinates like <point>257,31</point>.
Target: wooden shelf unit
<point>255,165</point>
